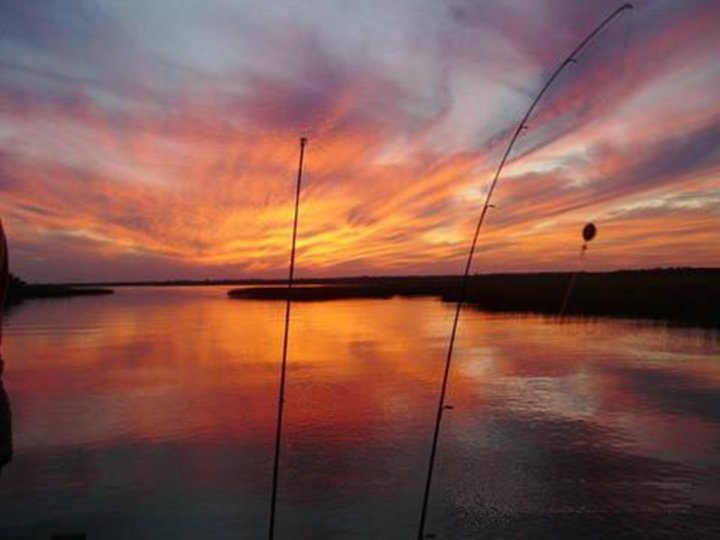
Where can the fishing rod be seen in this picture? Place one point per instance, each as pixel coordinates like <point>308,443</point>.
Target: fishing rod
<point>283,368</point>
<point>570,59</point>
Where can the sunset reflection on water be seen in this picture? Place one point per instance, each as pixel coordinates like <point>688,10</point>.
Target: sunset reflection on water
<point>150,414</point>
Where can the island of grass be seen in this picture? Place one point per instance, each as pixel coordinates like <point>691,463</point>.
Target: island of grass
<point>306,293</point>
<point>687,296</point>
<point>19,290</point>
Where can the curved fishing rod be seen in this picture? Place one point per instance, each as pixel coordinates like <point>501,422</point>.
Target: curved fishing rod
<point>283,367</point>
<point>463,288</point>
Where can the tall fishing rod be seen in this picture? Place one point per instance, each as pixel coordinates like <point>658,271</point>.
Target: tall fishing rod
<point>283,367</point>
<point>464,284</point>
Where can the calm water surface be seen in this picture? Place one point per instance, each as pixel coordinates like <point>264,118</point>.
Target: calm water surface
<point>149,414</point>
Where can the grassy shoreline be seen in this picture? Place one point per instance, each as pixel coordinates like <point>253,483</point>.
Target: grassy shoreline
<point>19,291</point>
<point>685,296</point>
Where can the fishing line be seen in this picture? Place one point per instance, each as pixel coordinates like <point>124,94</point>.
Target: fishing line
<point>588,233</point>
<point>570,59</point>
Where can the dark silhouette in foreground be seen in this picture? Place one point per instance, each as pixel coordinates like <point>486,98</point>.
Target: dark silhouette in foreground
<point>6,443</point>
<point>6,446</point>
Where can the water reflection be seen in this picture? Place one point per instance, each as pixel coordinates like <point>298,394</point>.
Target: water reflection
<point>150,414</point>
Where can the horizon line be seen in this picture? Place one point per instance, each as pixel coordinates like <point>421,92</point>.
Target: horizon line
<point>255,280</point>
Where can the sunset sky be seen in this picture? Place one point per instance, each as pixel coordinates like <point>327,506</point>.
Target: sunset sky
<point>155,139</point>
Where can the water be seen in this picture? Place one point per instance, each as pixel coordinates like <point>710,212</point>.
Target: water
<point>149,414</point>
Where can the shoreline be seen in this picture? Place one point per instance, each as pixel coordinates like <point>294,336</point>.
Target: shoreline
<point>684,296</point>
<point>20,293</point>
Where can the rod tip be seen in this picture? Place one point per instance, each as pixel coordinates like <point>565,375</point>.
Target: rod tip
<point>303,141</point>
